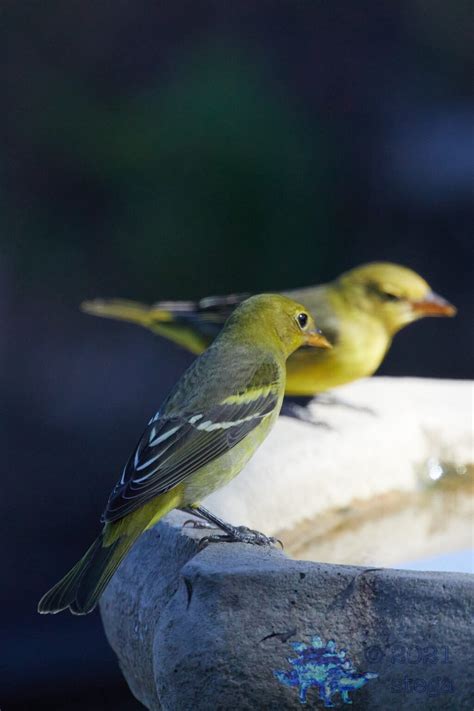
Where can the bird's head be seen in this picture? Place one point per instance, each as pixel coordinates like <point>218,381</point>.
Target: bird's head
<point>274,321</point>
<point>394,294</point>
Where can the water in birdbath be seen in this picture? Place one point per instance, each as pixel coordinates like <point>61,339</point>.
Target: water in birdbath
<point>429,529</point>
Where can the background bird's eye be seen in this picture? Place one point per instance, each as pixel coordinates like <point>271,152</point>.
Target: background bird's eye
<point>302,319</point>
<point>388,296</point>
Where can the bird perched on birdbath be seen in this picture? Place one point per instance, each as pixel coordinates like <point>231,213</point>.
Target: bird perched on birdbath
<point>212,422</point>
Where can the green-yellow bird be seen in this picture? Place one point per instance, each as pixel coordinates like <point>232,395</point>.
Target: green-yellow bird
<point>360,312</point>
<point>212,422</point>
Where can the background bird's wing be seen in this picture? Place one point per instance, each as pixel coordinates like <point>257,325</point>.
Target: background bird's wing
<point>173,448</point>
<point>213,311</point>
<point>207,315</point>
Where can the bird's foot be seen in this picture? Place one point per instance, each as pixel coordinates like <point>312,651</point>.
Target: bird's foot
<point>231,534</point>
<point>241,534</point>
<point>331,400</point>
<point>194,523</point>
<point>303,414</point>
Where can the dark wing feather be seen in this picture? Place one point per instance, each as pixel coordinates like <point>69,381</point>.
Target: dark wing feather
<point>173,448</point>
<point>207,315</point>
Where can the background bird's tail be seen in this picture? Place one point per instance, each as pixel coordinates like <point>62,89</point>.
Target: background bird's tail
<point>172,320</point>
<point>126,310</point>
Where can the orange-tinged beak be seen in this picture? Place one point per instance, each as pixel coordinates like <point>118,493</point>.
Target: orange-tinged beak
<point>317,339</point>
<point>433,305</point>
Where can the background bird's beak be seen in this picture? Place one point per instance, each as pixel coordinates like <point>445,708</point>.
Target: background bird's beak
<point>317,339</point>
<point>433,305</point>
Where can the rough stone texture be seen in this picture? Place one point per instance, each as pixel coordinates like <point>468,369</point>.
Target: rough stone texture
<point>207,630</point>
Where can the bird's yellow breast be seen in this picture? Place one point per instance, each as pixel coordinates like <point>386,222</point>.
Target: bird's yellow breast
<point>223,469</point>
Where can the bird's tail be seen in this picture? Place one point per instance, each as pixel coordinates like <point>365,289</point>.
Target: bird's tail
<point>125,310</point>
<point>82,587</point>
<point>172,320</point>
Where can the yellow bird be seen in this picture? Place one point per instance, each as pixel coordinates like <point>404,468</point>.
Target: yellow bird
<point>212,422</point>
<point>360,312</point>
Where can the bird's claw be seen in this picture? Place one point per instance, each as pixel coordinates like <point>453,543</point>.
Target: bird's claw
<point>241,534</point>
<point>197,524</point>
<point>222,538</point>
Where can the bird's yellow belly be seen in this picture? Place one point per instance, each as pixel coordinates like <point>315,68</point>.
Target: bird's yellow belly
<point>222,470</point>
<point>312,371</point>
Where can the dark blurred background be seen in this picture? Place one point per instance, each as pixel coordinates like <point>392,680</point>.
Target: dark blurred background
<point>176,150</point>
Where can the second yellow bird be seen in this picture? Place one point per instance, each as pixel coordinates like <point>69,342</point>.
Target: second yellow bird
<point>360,312</point>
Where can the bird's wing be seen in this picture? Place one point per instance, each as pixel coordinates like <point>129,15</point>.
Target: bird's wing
<point>207,315</point>
<point>173,448</point>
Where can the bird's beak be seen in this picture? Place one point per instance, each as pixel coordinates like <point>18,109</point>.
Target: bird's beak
<point>433,305</point>
<point>316,339</point>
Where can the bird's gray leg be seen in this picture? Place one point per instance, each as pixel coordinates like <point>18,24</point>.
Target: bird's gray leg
<point>232,534</point>
<point>298,409</point>
<point>193,510</point>
<point>329,399</point>
<point>190,510</point>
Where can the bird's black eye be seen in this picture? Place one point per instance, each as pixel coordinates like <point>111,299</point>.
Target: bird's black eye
<point>388,296</point>
<point>381,293</point>
<point>302,319</point>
